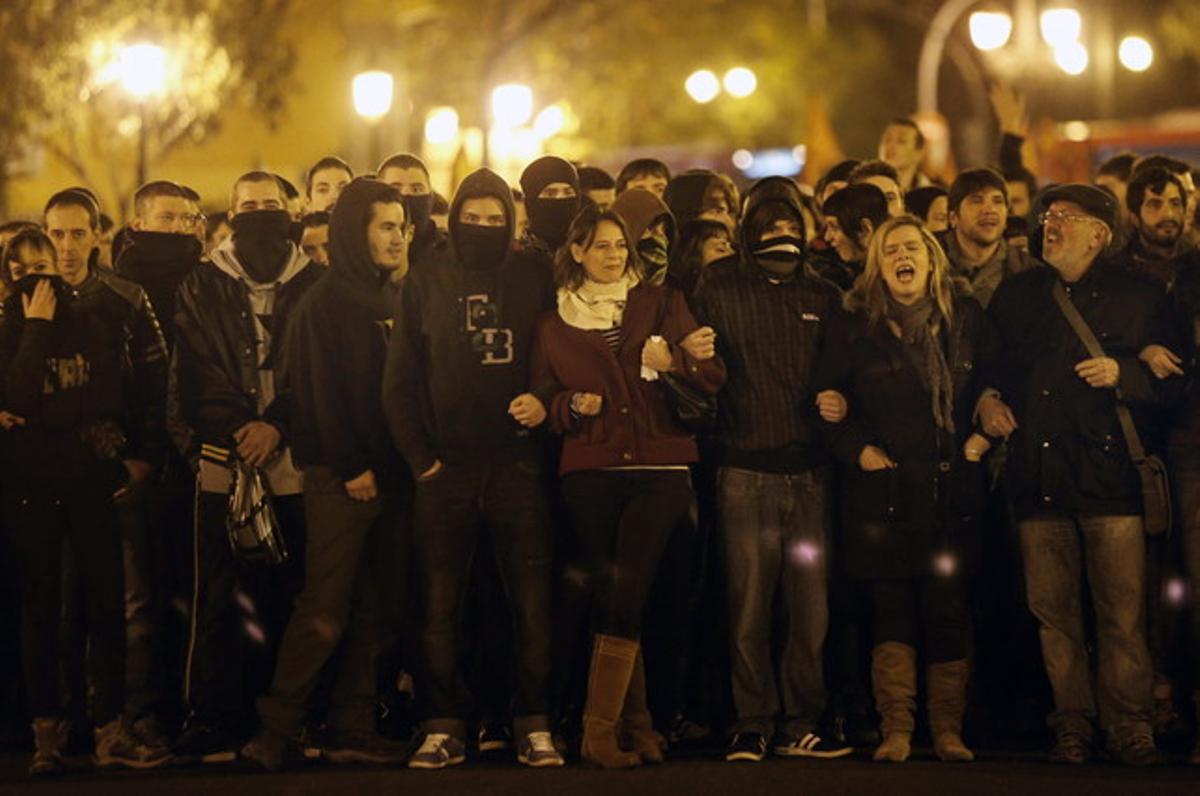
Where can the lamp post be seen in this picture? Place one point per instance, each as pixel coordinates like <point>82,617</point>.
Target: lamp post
<point>703,85</point>
<point>373,92</point>
<point>142,70</point>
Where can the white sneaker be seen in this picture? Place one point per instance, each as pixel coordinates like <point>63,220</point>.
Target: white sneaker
<point>537,751</point>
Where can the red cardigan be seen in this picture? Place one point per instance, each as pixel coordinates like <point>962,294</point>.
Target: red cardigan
<point>635,425</point>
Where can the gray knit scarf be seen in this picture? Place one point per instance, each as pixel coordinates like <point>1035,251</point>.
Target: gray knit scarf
<point>918,331</point>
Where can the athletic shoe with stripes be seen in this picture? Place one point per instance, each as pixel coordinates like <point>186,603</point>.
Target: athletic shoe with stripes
<point>810,745</point>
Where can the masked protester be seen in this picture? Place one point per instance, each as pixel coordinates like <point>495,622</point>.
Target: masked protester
<point>458,405</point>
<point>355,483</point>
<point>651,230</point>
<point>551,188</point>
<point>769,316</point>
<point>409,175</point>
<point>230,319</point>
<point>83,403</point>
<point>701,193</point>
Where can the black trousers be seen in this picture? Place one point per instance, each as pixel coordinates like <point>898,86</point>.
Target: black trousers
<point>507,500</point>
<point>928,613</point>
<point>623,520</point>
<point>239,613</point>
<point>40,525</point>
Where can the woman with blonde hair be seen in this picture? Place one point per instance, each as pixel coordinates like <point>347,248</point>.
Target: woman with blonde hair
<point>904,361</point>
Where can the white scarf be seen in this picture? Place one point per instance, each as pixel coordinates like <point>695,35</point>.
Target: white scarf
<point>595,305</point>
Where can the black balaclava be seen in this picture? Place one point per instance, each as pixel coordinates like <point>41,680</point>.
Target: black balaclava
<point>779,256</point>
<point>482,248</point>
<point>262,241</point>
<point>417,210</point>
<point>477,247</point>
<point>549,219</point>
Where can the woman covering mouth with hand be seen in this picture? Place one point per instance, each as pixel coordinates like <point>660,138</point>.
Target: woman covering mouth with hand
<point>914,486</point>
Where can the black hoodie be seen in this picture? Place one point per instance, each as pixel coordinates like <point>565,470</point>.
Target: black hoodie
<point>460,351</point>
<point>337,348</point>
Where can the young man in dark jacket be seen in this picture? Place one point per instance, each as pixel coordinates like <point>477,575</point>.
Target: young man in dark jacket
<point>84,383</point>
<point>1074,489</point>
<point>354,481</point>
<point>770,317</point>
<point>230,321</point>
<point>455,393</point>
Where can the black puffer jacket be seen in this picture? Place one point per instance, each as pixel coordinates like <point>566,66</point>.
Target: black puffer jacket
<point>898,521</point>
<point>214,383</point>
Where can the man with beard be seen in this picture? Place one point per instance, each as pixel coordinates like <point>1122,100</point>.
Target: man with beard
<point>355,483</point>
<point>1070,476</point>
<point>770,318</point>
<point>457,402</point>
<point>975,243</point>
<point>551,188</point>
<point>1157,200</point>
<point>160,253</point>
<point>230,318</point>
<point>408,174</point>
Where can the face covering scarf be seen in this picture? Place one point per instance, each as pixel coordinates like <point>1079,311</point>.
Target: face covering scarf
<point>262,241</point>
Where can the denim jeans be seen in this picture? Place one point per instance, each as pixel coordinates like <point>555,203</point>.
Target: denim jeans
<point>508,499</point>
<point>1057,550</point>
<point>775,542</point>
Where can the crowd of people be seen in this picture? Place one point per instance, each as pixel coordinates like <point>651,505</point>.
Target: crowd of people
<point>602,466</point>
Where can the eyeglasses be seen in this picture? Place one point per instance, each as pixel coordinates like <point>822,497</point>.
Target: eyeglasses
<point>1061,217</point>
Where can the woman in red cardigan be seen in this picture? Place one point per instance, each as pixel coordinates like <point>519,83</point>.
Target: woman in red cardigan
<point>624,459</point>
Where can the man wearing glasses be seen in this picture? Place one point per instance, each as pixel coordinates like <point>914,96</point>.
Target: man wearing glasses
<point>1074,488</point>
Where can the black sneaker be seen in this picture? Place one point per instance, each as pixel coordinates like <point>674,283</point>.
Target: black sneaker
<point>748,746</point>
<point>342,746</point>
<point>810,745</point>
<point>494,737</point>
<point>201,742</point>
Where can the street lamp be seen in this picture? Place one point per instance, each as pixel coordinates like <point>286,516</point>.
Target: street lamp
<point>373,94</point>
<point>549,122</point>
<point>702,86</point>
<point>441,125</point>
<point>512,105</point>
<point>142,71</point>
<point>1135,53</point>
<point>740,82</point>
<point>990,30</point>
<point>1061,26</point>
<point>1072,58</point>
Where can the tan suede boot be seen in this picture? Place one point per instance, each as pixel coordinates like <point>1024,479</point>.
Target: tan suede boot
<point>947,701</point>
<point>608,679</point>
<point>894,678</point>
<point>637,725</point>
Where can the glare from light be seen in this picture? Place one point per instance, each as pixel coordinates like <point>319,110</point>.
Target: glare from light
<point>740,82</point>
<point>441,125</point>
<point>373,94</point>
<point>517,143</point>
<point>990,30</point>
<point>1077,131</point>
<point>743,159</point>
<point>1135,53</point>
<point>142,70</point>
<point>805,554</point>
<point>549,122</point>
<point>1175,591</point>
<point>512,105</point>
<point>1061,26</point>
<point>945,564</point>
<point>703,86</point>
<point>1071,58</point>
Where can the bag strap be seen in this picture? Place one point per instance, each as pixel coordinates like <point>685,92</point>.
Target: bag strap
<point>1079,325</point>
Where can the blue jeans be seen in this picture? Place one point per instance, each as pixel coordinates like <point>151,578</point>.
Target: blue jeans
<point>775,540</point>
<point>1056,550</point>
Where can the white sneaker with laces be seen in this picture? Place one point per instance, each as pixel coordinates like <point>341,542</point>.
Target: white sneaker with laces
<point>537,750</point>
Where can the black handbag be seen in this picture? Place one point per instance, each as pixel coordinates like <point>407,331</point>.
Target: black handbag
<point>1156,488</point>
<point>695,409</point>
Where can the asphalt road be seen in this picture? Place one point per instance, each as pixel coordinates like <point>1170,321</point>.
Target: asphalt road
<point>700,774</point>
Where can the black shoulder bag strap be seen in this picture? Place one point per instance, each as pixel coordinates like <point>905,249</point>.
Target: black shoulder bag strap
<point>1136,451</point>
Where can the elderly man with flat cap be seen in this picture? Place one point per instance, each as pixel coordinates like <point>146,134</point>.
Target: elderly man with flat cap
<point>1075,490</point>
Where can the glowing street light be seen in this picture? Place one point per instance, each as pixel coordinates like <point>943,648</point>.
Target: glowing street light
<point>512,105</point>
<point>1072,58</point>
<point>703,86</point>
<point>1061,27</point>
<point>373,94</point>
<point>549,122</point>
<point>441,125</point>
<point>740,82</point>
<point>990,30</point>
<point>1135,53</point>
<point>142,70</point>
